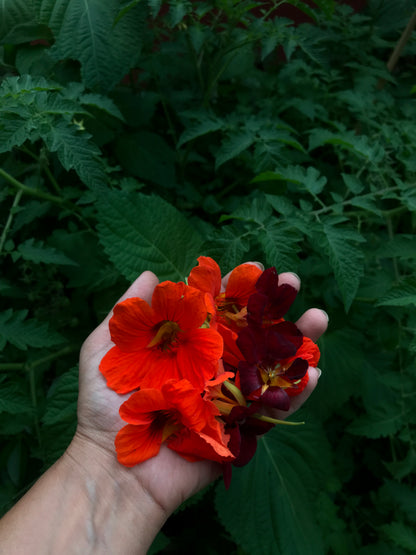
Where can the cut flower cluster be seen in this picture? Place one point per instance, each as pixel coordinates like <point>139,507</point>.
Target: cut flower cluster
<point>205,366</point>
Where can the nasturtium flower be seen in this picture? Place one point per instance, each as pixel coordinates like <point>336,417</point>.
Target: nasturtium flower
<point>170,339</point>
<point>175,414</point>
<point>271,364</point>
<point>270,302</point>
<point>230,304</point>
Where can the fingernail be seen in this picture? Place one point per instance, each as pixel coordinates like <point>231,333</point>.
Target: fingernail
<point>319,372</point>
<point>326,314</point>
<point>294,274</point>
<point>259,264</point>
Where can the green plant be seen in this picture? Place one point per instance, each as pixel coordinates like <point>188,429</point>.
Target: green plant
<point>150,133</point>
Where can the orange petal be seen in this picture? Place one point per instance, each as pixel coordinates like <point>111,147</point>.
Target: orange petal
<point>123,371</point>
<point>141,406</point>
<point>241,283</point>
<point>135,444</point>
<point>198,356</point>
<point>206,276</point>
<point>179,303</point>
<point>131,324</point>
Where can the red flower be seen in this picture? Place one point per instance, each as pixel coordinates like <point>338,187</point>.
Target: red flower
<point>168,340</point>
<point>175,414</point>
<point>270,302</point>
<point>230,305</point>
<point>272,364</point>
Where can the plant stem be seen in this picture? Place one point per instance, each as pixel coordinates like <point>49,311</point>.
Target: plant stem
<point>275,420</point>
<point>6,366</point>
<point>9,220</point>
<point>33,192</point>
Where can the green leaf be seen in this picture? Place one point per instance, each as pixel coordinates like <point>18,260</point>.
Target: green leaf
<point>14,399</point>
<point>13,13</point>
<point>278,488</point>
<point>76,151</point>
<point>202,126</point>
<point>309,178</point>
<point>37,252</point>
<point>358,144</point>
<point>102,103</point>
<point>62,399</point>
<point>84,30</point>
<point>346,260</point>
<point>402,294</point>
<point>142,232</point>
<point>342,361</point>
<point>280,243</point>
<point>23,333</point>
<point>227,246</point>
<point>232,146</point>
<point>400,534</point>
<point>353,183</point>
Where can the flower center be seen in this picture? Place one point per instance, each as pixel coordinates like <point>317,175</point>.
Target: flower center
<point>165,336</point>
<point>273,376</point>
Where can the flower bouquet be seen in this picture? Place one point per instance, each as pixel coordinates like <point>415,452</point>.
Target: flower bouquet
<point>206,367</point>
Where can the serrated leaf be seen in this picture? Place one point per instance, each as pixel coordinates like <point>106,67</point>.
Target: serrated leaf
<point>36,251</point>
<point>62,399</point>
<point>346,260</point>
<point>204,125</point>
<point>23,333</point>
<point>227,246</point>
<point>85,30</point>
<point>232,146</point>
<point>76,151</point>
<point>353,183</point>
<point>359,144</point>
<point>382,420</point>
<point>278,488</point>
<point>400,534</point>
<point>280,244</point>
<point>14,399</point>
<point>142,232</point>
<point>13,13</point>
<point>310,178</point>
<point>342,361</point>
<point>400,246</point>
<point>102,103</point>
<point>402,294</point>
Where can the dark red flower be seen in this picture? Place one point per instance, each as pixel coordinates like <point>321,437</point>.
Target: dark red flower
<point>271,301</point>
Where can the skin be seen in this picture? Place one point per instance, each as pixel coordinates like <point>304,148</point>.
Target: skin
<point>87,502</point>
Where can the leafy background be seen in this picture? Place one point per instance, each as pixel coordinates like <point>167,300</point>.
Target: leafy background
<point>139,135</point>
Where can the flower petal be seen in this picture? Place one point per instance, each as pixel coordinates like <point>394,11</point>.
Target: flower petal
<point>177,302</point>
<point>131,324</point>
<point>123,371</point>
<point>206,276</point>
<point>135,444</point>
<point>241,283</point>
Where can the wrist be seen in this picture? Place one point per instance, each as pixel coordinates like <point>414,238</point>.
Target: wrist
<point>120,515</point>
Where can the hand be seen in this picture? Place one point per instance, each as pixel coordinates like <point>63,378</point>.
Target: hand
<point>167,478</point>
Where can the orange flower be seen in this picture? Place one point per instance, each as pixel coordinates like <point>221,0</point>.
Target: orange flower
<point>168,340</point>
<point>230,305</point>
<point>175,414</point>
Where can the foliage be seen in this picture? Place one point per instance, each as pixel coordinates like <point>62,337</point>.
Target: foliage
<point>140,135</point>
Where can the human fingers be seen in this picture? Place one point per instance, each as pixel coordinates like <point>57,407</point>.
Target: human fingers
<point>297,402</point>
<point>313,323</point>
<point>290,278</point>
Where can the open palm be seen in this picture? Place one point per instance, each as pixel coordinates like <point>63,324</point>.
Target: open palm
<point>167,478</point>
